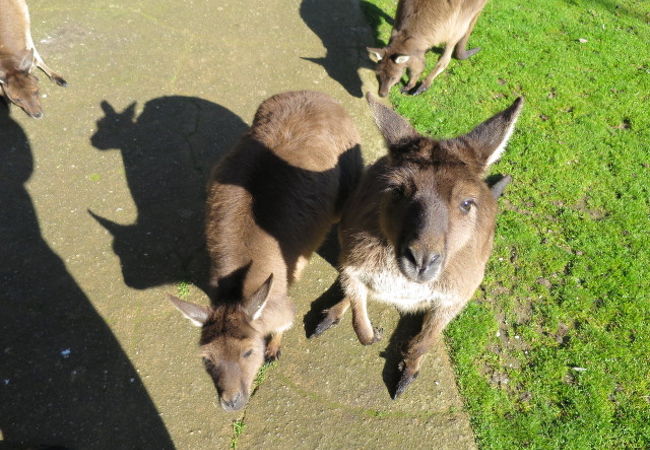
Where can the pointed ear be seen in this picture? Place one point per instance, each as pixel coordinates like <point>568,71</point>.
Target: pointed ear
<point>257,302</point>
<point>498,187</point>
<point>489,139</point>
<point>27,61</point>
<point>107,108</point>
<point>376,54</point>
<point>393,127</point>
<point>129,112</point>
<point>401,59</point>
<point>198,315</point>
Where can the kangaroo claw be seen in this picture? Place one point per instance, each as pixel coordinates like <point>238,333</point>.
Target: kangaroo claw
<point>323,326</point>
<point>60,81</point>
<point>378,334</point>
<point>405,380</point>
<point>272,356</point>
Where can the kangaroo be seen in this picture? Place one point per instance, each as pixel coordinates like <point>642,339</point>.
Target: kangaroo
<point>271,202</point>
<point>18,57</point>
<point>418,231</point>
<point>420,25</point>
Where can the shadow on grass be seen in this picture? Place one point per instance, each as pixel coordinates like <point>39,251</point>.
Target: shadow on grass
<point>375,17</point>
<point>64,379</point>
<point>168,151</point>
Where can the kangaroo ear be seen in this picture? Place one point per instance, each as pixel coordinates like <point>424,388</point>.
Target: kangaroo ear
<point>488,140</point>
<point>395,129</point>
<point>376,54</point>
<point>198,315</point>
<point>27,61</point>
<point>401,59</point>
<point>129,112</point>
<point>498,187</point>
<point>257,302</point>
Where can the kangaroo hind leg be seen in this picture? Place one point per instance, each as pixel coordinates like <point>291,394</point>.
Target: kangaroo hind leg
<point>460,52</point>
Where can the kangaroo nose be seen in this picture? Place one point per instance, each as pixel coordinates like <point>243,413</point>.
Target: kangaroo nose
<point>37,115</point>
<point>422,260</point>
<point>233,404</point>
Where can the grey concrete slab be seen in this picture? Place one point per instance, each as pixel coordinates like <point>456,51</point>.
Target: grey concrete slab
<point>91,354</point>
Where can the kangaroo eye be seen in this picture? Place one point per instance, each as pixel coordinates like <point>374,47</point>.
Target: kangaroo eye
<point>208,363</point>
<point>248,353</point>
<point>466,205</point>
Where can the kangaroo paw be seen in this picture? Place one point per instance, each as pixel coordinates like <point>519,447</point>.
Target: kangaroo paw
<point>59,80</point>
<point>324,325</point>
<point>377,334</point>
<point>272,354</point>
<point>408,377</point>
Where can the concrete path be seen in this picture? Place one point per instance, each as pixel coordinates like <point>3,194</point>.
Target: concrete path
<point>100,217</point>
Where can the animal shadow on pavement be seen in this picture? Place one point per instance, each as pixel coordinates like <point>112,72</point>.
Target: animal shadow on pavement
<point>407,327</point>
<point>64,379</point>
<point>168,151</point>
<point>340,26</point>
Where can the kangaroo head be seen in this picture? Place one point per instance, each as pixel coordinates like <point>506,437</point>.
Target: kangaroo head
<point>232,343</point>
<point>435,202</point>
<point>391,65</point>
<point>19,85</point>
<point>113,128</point>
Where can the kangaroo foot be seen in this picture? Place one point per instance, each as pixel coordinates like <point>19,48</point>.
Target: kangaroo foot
<point>324,325</point>
<point>420,89</point>
<point>464,54</point>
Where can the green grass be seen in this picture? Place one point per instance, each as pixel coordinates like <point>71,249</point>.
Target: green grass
<point>238,427</point>
<point>568,285</point>
<point>183,289</point>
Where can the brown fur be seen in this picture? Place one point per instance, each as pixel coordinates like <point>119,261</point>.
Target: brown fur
<point>271,202</point>
<point>420,25</point>
<point>18,57</point>
<point>418,231</point>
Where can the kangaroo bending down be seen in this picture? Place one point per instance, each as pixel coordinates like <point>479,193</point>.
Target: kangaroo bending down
<point>418,231</point>
<point>18,57</point>
<point>420,25</point>
<point>271,202</point>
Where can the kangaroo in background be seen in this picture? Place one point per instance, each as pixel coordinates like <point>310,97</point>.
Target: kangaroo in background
<point>418,231</point>
<point>18,57</point>
<point>271,202</point>
<point>420,25</point>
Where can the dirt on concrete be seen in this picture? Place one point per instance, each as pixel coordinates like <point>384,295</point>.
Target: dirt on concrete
<point>100,218</point>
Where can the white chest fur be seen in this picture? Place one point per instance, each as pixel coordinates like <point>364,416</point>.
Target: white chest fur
<point>392,287</point>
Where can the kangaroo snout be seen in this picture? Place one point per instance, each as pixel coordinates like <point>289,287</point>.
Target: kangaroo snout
<point>420,264</point>
<point>233,402</point>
